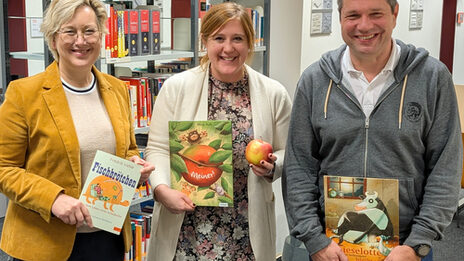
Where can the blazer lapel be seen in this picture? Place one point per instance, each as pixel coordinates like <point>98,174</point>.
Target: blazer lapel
<point>57,104</point>
<point>113,108</point>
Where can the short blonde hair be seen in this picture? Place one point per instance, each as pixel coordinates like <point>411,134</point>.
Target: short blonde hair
<point>61,11</point>
<point>218,16</point>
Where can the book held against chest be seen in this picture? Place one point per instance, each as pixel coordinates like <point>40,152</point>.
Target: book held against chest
<point>108,190</point>
<point>362,215</point>
<point>201,161</point>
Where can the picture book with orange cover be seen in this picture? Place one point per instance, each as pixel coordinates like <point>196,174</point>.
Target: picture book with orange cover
<point>362,216</point>
<point>201,161</point>
<point>108,190</point>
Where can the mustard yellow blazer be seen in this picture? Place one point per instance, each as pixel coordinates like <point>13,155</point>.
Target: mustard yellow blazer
<point>39,158</point>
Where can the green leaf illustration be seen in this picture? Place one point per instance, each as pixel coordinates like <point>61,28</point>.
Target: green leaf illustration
<point>220,156</point>
<point>226,200</point>
<point>202,188</point>
<point>225,184</point>
<point>175,146</point>
<point>220,125</point>
<point>227,129</point>
<point>172,126</point>
<point>176,175</point>
<point>172,134</point>
<point>227,168</point>
<point>209,195</point>
<point>178,164</point>
<point>184,125</point>
<point>227,146</point>
<point>216,144</point>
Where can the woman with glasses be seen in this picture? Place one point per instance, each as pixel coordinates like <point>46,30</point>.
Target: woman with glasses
<point>51,126</point>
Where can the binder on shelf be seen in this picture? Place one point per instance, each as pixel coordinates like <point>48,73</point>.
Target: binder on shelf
<point>155,32</point>
<point>108,33</point>
<point>144,31</point>
<point>133,32</point>
<point>121,41</point>
<point>126,32</point>
<point>114,33</point>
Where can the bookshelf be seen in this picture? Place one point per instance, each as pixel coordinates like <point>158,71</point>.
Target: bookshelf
<point>261,60</point>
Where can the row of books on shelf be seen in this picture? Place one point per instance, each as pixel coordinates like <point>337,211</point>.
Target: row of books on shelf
<point>141,229</point>
<point>257,18</point>
<point>137,32</point>
<point>144,191</point>
<point>181,24</point>
<point>144,88</point>
<point>131,32</point>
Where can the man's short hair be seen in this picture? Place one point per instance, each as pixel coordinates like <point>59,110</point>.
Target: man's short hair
<point>392,4</point>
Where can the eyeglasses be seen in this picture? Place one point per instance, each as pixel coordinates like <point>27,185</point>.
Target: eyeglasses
<point>70,35</point>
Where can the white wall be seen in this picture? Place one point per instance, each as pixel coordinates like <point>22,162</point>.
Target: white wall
<point>430,34</point>
<point>427,37</point>
<point>284,63</point>
<point>458,63</point>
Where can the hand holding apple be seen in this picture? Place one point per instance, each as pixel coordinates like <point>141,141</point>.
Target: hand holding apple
<point>258,150</point>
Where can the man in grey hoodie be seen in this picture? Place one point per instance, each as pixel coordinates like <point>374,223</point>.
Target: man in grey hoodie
<point>375,107</point>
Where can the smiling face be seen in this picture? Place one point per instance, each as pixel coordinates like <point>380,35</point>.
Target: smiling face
<point>227,50</point>
<point>367,26</point>
<point>81,53</point>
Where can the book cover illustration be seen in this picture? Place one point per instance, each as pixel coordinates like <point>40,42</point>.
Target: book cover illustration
<point>362,215</point>
<point>109,189</point>
<point>201,161</point>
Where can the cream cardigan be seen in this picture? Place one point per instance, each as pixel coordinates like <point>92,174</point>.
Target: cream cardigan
<point>184,96</point>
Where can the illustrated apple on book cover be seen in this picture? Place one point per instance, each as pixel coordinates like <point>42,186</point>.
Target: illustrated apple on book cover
<point>201,161</point>
<point>362,215</point>
<point>109,189</point>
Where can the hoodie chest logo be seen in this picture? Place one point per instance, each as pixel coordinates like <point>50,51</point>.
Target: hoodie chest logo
<point>413,111</point>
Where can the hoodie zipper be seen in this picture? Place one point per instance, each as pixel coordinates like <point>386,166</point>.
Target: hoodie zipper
<point>366,127</point>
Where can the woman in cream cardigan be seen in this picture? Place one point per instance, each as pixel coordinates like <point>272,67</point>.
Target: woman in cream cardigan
<point>222,88</point>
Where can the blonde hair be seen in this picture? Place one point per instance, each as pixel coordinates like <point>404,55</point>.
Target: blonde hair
<point>218,16</point>
<point>61,11</point>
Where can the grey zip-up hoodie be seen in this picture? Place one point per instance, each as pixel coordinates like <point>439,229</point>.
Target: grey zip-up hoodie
<point>413,135</point>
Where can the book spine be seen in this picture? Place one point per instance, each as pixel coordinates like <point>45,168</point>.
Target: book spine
<point>144,102</point>
<point>133,32</point>
<point>148,100</point>
<point>114,36</point>
<point>108,36</point>
<point>144,31</point>
<point>155,31</point>
<point>126,33</point>
<point>120,34</point>
<point>138,242</point>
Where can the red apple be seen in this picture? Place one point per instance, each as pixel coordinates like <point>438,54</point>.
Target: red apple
<point>257,150</point>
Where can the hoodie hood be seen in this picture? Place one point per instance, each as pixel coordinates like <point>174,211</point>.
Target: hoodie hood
<point>410,57</point>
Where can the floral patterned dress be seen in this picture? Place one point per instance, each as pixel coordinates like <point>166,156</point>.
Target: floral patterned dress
<point>215,233</point>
